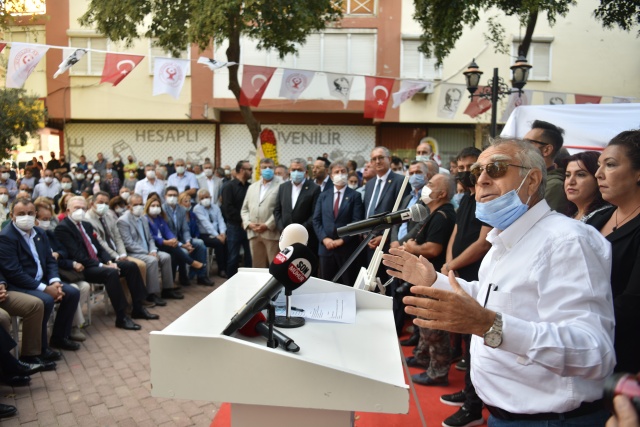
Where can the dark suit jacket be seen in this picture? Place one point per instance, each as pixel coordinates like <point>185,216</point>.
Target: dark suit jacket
<point>18,264</point>
<point>412,226</point>
<point>325,225</point>
<point>388,195</point>
<point>302,213</point>
<point>327,186</point>
<point>69,236</point>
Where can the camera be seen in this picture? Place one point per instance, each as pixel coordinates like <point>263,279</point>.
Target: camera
<point>625,384</point>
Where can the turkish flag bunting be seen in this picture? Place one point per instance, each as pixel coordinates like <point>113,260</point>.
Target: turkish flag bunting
<point>378,91</point>
<point>479,105</point>
<point>254,82</point>
<point>2,46</point>
<point>587,99</point>
<point>117,66</point>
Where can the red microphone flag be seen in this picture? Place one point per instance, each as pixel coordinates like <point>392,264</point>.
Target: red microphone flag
<point>378,92</point>
<point>254,83</point>
<point>117,66</point>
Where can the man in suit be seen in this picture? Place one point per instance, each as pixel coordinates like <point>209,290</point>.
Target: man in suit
<point>212,228</point>
<point>177,222</point>
<point>29,265</point>
<point>135,233</point>
<point>257,215</point>
<point>104,224</point>
<point>211,182</point>
<point>337,208</point>
<point>296,201</point>
<point>418,176</point>
<point>79,237</point>
<point>321,173</point>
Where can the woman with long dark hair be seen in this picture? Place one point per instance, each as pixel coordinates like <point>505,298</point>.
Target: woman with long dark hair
<point>581,186</point>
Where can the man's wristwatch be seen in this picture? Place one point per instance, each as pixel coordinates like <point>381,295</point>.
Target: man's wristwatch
<point>493,337</point>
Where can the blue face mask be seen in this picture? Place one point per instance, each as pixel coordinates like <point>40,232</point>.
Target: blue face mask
<point>297,176</point>
<point>267,174</point>
<point>455,200</point>
<point>417,181</point>
<point>503,211</point>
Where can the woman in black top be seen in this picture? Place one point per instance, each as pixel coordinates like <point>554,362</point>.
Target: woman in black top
<point>619,181</point>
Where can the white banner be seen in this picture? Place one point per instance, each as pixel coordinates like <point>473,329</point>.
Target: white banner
<point>169,75</point>
<point>450,96</point>
<point>555,98</point>
<point>408,88</point>
<point>515,101</point>
<point>23,59</point>
<point>622,100</point>
<point>340,86</point>
<point>294,82</point>
<point>71,57</point>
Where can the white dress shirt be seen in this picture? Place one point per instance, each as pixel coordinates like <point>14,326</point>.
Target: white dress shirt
<point>295,192</point>
<point>264,186</point>
<point>145,187</point>
<point>553,290</point>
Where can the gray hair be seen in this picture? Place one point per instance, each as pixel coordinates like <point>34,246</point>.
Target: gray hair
<point>267,160</point>
<point>530,158</point>
<point>300,160</point>
<point>432,167</point>
<point>201,192</point>
<point>386,151</point>
<point>336,164</point>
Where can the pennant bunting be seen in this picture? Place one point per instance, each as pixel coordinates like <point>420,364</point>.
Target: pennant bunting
<point>255,80</point>
<point>169,75</point>
<point>449,101</point>
<point>622,100</point>
<point>516,100</point>
<point>23,59</point>
<point>478,105</point>
<point>2,46</point>
<point>294,82</point>
<point>587,99</point>
<point>340,86</point>
<point>117,66</point>
<point>378,92</point>
<point>555,98</point>
<point>213,64</point>
<point>72,56</point>
<point>408,88</point>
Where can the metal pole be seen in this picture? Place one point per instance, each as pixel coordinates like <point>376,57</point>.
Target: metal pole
<point>494,104</point>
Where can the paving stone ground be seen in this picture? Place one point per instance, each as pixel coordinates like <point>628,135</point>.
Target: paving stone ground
<point>107,381</point>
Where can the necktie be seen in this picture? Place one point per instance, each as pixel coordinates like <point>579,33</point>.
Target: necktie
<point>107,235</point>
<point>336,205</point>
<point>374,199</point>
<point>87,244</point>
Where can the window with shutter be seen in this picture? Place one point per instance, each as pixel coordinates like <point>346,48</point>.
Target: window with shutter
<point>158,52</point>
<point>93,62</point>
<point>539,57</point>
<point>416,65</point>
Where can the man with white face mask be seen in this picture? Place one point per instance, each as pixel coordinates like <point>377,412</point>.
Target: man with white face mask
<point>212,228</point>
<point>184,180</point>
<point>150,184</point>
<point>4,204</point>
<point>210,182</point>
<point>541,313</point>
<point>8,183</point>
<point>418,176</point>
<point>336,208</point>
<point>47,187</point>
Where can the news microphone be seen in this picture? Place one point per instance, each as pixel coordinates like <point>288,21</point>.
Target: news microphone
<point>257,326</point>
<point>415,213</point>
<point>293,233</point>
<point>290,268</point>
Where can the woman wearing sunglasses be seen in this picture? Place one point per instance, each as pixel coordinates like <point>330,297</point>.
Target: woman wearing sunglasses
<point>619,180</point>
<point>581,186</point>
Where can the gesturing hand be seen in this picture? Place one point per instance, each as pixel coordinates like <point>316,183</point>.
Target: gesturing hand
<point>409,268</point>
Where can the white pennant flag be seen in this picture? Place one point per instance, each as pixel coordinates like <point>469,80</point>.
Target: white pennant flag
<point>169,75</point>
<point>72,56</point>
<point>340,86</point>
<point>516,100</point>
<point>294,82</point>
<point>555,98</point>
<point>622,100</point>
<point>213,64</point>
<point>408,88</point>
<point>23,59</point>
<point>450,96</point>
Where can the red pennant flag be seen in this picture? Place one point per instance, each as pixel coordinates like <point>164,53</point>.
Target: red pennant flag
<point>117,66</point>
<point>587,99</point>
<point>254,82</point>
<point>2,46</point>
<point>378,92</point>
<point>479,105</point>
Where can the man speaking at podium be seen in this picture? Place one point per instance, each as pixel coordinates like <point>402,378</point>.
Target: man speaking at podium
<point>541,313</point>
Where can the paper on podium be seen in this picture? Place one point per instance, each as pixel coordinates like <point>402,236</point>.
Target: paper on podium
<point>331,307</point>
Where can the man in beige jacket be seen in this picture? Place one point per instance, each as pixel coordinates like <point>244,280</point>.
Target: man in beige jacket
<point>257,215</point>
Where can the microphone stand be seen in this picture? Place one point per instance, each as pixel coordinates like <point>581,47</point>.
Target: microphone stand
<point>288,321</point>
<point>354,255</point>
<point>271,312</point>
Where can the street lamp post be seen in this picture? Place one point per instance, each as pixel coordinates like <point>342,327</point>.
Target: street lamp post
<point>499,89</point>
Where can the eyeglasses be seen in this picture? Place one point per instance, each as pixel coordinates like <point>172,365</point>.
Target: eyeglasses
<point>533,141</point>
<point>493,169</point>
<point>378,159</point>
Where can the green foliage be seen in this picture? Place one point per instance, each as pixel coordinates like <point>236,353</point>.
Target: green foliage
<point>20,118</point>
<point>623,13</point>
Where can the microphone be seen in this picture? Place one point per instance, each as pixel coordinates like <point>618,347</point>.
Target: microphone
<point>290,268</point>
<point>257,326</point>
<point>293,233</point>
<point>415,213</point>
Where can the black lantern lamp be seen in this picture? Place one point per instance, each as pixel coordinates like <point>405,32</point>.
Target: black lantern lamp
<point>472,76</point>
<point>520,72</point>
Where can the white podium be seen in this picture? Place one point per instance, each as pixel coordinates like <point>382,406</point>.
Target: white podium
<point>340,368</point>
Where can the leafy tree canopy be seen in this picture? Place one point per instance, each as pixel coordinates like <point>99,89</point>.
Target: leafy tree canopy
<point>20,118</point>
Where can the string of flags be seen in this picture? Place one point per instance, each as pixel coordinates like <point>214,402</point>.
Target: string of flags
<point>170,74</point>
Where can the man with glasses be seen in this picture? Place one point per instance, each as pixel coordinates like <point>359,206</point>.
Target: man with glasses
<point>541,313</point>
<point>233,194</point>
<point>547,138</point>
